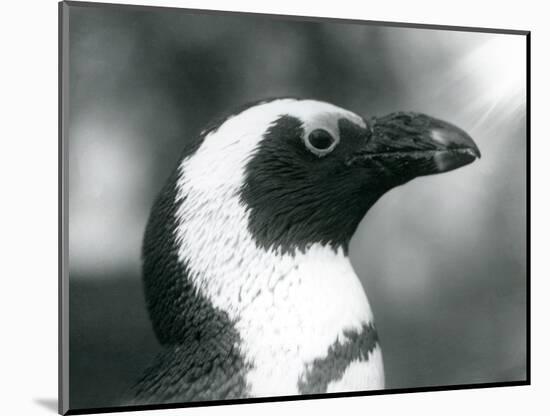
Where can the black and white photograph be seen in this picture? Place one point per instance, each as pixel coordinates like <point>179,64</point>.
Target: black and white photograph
<point>264,207</point>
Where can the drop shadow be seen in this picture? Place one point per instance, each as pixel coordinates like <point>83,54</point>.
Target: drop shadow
<point>49,404</point>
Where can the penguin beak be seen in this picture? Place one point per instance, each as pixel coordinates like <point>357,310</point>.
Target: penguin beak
<point>407,145</point>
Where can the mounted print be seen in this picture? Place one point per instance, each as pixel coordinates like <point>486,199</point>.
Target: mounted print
<point>261,208</point>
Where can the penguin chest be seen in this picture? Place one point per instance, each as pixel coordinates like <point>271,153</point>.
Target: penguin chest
<point>312,331</point>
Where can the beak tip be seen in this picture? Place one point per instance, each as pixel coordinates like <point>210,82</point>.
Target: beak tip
<point>454,137</point>
<point>474,151</point>
<point>477,152</point>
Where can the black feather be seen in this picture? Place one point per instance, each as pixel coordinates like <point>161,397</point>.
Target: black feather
<point>322,371</point>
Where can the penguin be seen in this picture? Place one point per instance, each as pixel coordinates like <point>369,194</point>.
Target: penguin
<point>246,272</point>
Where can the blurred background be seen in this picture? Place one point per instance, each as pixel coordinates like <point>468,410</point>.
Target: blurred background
<point>443,259</point>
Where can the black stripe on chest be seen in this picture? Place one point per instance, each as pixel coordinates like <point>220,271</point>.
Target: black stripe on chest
<point>331,368</point>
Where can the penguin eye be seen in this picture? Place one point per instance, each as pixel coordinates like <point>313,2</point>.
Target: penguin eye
<point>320,142</point>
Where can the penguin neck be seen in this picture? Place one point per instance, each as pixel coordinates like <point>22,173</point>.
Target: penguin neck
<point>226,264</point>
<point>288,307</point>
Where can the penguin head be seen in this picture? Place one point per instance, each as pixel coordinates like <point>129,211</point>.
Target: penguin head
<point>245,248</point>
<point>307,171</point>
<point>261,211</point>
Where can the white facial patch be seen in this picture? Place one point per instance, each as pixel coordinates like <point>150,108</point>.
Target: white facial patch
<point>288,309</point>
<point>226,151</point>
<point>325,117</point>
